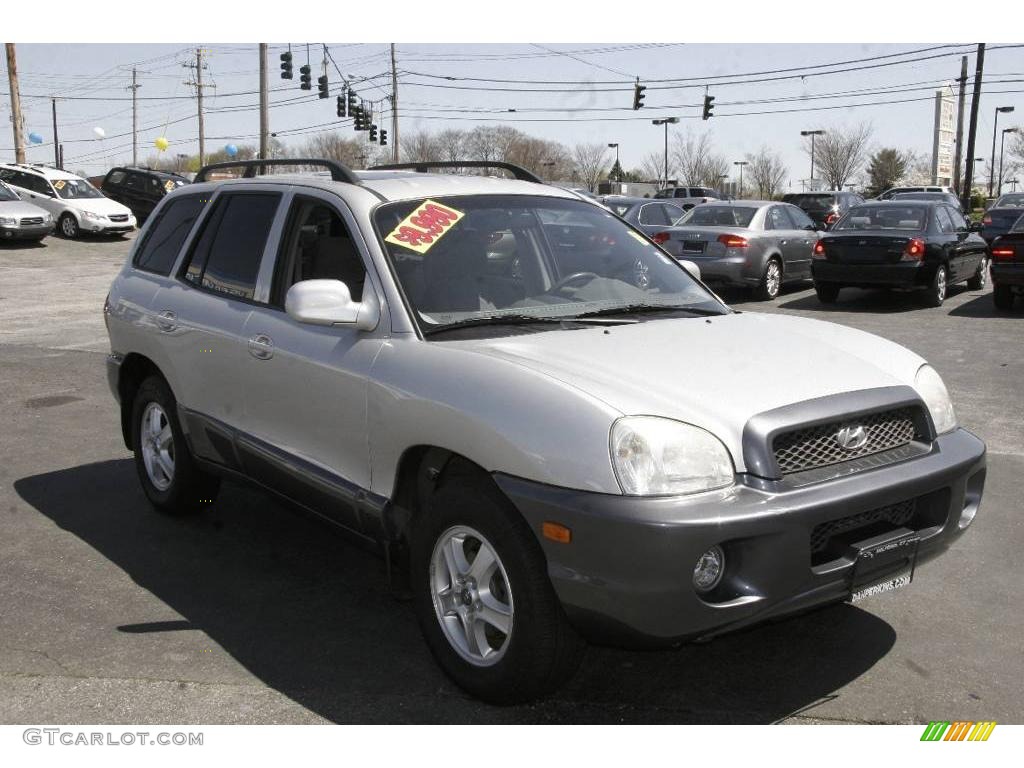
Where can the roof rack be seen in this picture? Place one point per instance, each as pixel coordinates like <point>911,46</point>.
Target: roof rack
<point>338,171</point>
<point>517,171</point>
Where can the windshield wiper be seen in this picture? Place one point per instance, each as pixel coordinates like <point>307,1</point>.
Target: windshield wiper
<point>630,309</point>
<point>511,320</point>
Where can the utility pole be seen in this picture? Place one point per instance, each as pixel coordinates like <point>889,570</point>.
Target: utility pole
<point>972,131</point>
<point>394,107</point>
<point>12,81</point>
<point>959,152</point>
<point>135,118</point>
<point>198,85</point>
<point>264,105</point>
<point>56,141</point>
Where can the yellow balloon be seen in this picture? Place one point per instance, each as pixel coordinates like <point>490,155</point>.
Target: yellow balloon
<point>162,143</point>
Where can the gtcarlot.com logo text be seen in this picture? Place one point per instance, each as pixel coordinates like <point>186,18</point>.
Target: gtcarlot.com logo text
<point>74,738</point>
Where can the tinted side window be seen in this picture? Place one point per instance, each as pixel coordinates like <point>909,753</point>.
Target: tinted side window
<point>959,222</point>
<point>36,184</point>
<point>134,181</point>
<point>164,239</point>
<point>800,219</point>
<point>942,219</point>
<point>777,219</point>
<point>674,212</point>
<point>653,213</point>
<point>115,177</point>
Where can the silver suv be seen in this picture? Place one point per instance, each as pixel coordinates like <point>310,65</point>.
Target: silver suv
<point>542,419</point>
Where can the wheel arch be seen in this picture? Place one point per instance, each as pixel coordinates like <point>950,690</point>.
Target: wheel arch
<point>135,369</point>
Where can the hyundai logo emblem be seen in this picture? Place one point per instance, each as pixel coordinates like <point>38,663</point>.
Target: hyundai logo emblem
<point>851,438</point>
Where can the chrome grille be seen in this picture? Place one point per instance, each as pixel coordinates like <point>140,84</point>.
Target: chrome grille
<point>119,217</point>
<point>31,221</point>
<point>818,446</point>
<point>896,515</point>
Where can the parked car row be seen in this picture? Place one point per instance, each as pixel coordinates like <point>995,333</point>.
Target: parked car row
<point>37,199</point>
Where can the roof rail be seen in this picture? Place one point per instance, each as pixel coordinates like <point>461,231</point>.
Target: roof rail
<point>517,171</point>
<point>338,171</point>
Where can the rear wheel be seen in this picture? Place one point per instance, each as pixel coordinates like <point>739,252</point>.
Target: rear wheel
<point>168,473</point>
<point>935,294</point>
<point>1002,296</point>
<point>828,293</point>
<point>483,599</point>
<point>771,281</point>
<point>980,278</point>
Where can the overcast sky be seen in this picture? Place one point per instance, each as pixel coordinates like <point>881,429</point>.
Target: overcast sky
<point>102,73</point>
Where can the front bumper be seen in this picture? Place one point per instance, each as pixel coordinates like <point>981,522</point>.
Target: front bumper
<point>905,274</point>
<point>25,233</point>
<point>1008,274</point>
<point>106,227</point>
<point>626,576</point>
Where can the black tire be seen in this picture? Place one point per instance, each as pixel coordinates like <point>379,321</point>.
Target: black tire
<point>67,224</point>
<point>980,278</point>
<point>1002,296</point>
<point>190,489</point>
<point>770,285</point>
<point>541,651</point>
<point>935,293</point>
<point>828,293</point>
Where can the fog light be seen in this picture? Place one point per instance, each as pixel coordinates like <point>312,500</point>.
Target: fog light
<point>708,570</point>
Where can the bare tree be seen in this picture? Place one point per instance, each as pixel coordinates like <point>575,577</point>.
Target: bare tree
<point>451,144</point>
<point>767,172</point>
<point>589,161</point>
<point>354,151</point>
<point>652,168</point>
<point>696,160</point>
<point>420,146</point>
<point>840,153</point>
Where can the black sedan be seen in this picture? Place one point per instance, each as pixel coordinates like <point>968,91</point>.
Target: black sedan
<point>919,245</point>
<point>1008,266</point>
<point>651,216</point>
<point>1003,214</point>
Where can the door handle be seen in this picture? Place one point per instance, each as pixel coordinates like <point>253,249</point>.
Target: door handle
<point>261,347</point>
<point>166,321</point>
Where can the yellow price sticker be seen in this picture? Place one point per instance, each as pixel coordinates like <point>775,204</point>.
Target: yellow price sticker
<point>168,185</point>
<point>422,228</point>
<point>59,184</point>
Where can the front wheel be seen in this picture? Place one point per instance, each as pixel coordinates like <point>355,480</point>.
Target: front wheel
<point>935,294</point>
<point>979,280</point>
<point>69,226</point>
<point>1002,296</point>
<point>828,293</point>
<point>483,599</point>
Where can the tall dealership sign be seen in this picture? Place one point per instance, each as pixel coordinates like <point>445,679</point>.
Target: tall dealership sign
<point>944,138</point>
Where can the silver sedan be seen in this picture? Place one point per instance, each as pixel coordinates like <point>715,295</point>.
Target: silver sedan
<point>759,244</point>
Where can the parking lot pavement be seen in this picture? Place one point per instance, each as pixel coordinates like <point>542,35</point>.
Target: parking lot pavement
<point>252,613</point>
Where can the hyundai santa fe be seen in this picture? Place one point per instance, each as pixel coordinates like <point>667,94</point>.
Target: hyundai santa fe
<point>547,423</point>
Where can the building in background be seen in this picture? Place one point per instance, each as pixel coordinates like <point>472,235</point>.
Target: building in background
<point>944,137</point>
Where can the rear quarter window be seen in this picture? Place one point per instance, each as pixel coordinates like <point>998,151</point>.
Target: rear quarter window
<point>159,250</point>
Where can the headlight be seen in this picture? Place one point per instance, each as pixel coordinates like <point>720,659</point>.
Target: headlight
<point>929,385</point>
<point>93,216</point>
<point>47,218</point>
<point>654,456</point>
<point>7,222</point>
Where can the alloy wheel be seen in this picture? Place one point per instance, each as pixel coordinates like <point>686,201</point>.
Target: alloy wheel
<point>772,279</point>
<point>157,442</point>
<point>471,595</point>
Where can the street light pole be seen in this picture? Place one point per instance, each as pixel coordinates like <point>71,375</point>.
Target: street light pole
<point>665,121</point>
<point>740,163</point>
<point>1002,146</point>
<point>992,164</point>
<point>812,134</point>
<point>616,146</point>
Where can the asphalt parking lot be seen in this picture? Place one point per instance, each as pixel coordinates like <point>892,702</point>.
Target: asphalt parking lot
<point>254,614</point>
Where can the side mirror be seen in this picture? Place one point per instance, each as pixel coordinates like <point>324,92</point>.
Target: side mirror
<point>690,267</point>
<point>328,302</point>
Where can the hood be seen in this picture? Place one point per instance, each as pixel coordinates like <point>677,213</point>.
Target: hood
<point>101,205</point>
<point>20,208</point>
<point>716,372</point>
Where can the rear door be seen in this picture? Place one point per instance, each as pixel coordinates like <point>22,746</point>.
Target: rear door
<point>804,236</point>
<point>971,249</point>
<point>951,244</point>
<point>779,235</point>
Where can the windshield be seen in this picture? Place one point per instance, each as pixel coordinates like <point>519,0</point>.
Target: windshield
<point>1010,201</point>
<point>75,189</point>
<point>708,215</point>
<point>811,202</point>
<point>911,218</point>
<point>6,193</point>
<point>479,257</point>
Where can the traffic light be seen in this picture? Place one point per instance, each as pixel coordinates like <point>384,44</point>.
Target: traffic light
<point>383,137</point>
<point>321,84</point>
<point>341,107</point>
<point>305,75</point>
<point>353,102</point>
<point>286,65</point>
<point>638,95</point>
<point>709,104</point>
<point>373,133</point>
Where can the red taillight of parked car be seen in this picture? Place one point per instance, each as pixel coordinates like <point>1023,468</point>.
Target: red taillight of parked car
<point>987,220</point>
<point>733,241</point>
<point>1004,253</point>
<point>660,238</point>
<point>914,249</point>
<point>818,251</point>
